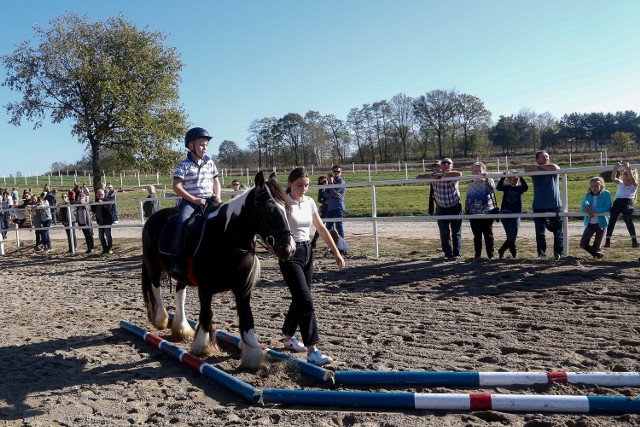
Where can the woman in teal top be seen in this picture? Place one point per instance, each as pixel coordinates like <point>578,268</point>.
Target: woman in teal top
<point>596,201</point>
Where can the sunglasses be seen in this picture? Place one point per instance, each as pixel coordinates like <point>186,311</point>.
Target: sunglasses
<point>445,163</point>
<point>337,171</point>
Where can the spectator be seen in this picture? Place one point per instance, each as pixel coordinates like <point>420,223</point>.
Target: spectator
<point>83,216</point>
<point>104,218</point>
<point>14,195</point>
<point>341,244</point>
<point>67,217</point>
<point>5,208</point>
<point>195,180</point>
<point>432,201</point>
<point>479,201</point>
<point>322,206</point>
<point>85,190</point>
<point>335,200</point>
<point>511,203</point>
<point>236,187</point>
<point>50,197</point>
<point>448,202</point>
<point>596,201</point>
<point>297,272</point>
<point>151,206</point>
<point>111,195</point>
<point>41,217</point>
<point>546,198</point>
<point>623,204</point>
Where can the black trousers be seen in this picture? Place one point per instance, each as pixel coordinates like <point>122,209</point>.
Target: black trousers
<point>297,273</point>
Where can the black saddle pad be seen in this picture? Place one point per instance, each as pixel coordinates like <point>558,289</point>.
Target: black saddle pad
<point>194,230</point>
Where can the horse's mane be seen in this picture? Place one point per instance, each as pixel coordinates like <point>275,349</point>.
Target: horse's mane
<point>278,193</point>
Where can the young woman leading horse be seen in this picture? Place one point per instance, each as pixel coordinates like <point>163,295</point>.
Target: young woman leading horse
<point>224,260</point>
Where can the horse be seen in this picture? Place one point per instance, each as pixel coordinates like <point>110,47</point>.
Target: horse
<point>225,259</point>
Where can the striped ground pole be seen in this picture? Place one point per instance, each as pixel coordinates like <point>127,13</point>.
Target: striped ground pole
<point>305,368</point>
<point>242,389</point>
<point>487,379</point>
<point>611,405</point>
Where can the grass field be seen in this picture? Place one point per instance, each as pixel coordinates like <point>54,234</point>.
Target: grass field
<point>399,199</point>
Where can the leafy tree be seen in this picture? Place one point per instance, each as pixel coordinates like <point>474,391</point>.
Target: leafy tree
<point>116,84</point>
<point>472,116</point>
<point>436,110</point>
<point>229,153</point>
<point>622,141</point>
<point>505,134</point>
<point>403,120</point>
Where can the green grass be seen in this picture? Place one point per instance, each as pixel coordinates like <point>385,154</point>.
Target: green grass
<point>392,200</point>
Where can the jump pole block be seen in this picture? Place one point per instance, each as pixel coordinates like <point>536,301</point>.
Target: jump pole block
<point>309,369</point>
<point>487,379</point>
<point>611,405</point>
<point>242,389</point>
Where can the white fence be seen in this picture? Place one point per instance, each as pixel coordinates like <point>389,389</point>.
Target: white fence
<point>375,220</point>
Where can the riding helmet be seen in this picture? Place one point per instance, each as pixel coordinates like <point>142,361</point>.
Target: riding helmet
<point>194,133</point>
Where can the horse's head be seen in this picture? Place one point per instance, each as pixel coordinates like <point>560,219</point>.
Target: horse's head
<point>270,217</point>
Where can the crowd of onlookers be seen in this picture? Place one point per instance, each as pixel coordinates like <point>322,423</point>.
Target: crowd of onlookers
<point>73,210</point>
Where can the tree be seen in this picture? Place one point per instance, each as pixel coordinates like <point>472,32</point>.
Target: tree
<point>116,84</point>
<point>229,154</point>
<point>622,141</point>
<point>472,116</point>
<point>435,110</point>
<point>402,119</point>
<point>504,134</point>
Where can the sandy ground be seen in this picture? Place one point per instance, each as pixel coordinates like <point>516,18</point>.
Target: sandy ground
<point>66,362</point>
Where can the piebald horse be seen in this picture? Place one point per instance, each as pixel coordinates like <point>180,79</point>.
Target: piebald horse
<point>224,260</point>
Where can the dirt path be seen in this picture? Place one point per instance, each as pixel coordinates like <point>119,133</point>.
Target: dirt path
<point>65,361</point>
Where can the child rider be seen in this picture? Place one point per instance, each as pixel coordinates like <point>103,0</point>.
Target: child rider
<point>194,180</point>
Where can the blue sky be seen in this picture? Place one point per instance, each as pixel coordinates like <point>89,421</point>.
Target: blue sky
<point>245,60</point>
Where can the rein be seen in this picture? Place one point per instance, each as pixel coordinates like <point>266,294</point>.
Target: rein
<point>270,240</point>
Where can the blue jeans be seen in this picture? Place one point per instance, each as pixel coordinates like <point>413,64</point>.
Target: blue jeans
<point>336,213</point>
<point>541,239</point>
<point>511,227</point>
<point>104,234</point>
<point>450,234</point>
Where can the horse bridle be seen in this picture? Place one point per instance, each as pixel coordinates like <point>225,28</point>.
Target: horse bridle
<point>269,240</point>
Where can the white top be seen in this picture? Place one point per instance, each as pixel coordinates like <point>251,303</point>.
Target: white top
<point>626,191</point>
<point>300,218</point>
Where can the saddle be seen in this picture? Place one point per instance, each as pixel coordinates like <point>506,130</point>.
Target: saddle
<point>194,230</point>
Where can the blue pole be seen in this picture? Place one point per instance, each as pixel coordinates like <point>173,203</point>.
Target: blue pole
<point>242,389</point>
<point>309,369</point>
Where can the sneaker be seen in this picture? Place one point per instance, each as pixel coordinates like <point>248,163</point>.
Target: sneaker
<point>88,251</point>
<point>318,358</point>
<point>38,248</point>
<point>294,345</point>
<point>599,255</point>
<point>115,222</point>
<point>557,256</point>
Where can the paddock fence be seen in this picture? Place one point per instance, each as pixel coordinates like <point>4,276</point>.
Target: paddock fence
<point>373,218</point>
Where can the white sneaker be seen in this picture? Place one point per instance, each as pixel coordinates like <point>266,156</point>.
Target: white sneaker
<point>318,358</point>
<point>294,345</point>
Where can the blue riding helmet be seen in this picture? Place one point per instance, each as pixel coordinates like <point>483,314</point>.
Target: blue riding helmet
<point>195,133</point>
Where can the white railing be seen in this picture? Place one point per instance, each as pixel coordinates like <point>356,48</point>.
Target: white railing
<point>375,219</point>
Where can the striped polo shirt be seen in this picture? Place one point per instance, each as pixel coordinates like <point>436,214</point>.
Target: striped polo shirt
<point>197,179</point>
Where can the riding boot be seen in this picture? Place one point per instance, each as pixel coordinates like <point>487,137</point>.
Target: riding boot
<point>634,242</point>
<point>513,250</point>
<point>607,242</point>
<point>179,269</point>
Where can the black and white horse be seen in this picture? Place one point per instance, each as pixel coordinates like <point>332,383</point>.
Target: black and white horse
<point>224,260</point>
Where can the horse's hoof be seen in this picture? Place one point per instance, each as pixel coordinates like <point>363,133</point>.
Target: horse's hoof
<point>185,334</point>
<point>253,358</point>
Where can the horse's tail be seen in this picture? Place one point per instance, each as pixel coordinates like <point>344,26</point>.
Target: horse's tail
<point>147,293</point>
<point>252,278</point>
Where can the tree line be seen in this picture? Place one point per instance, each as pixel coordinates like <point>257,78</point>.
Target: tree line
<point>438,123</point>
